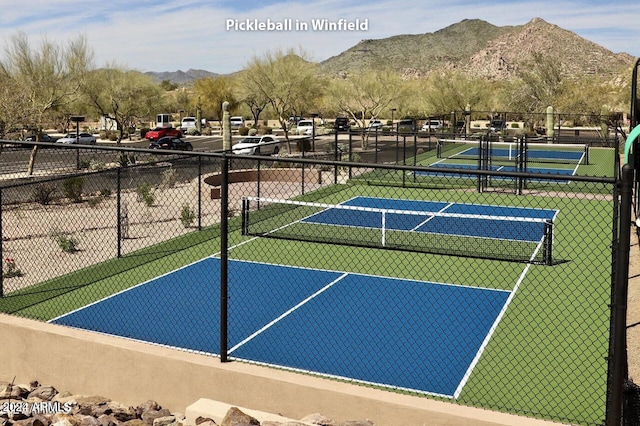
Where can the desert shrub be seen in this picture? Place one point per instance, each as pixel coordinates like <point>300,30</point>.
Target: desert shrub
<point>243,131</point>
<point>253,131</point>
<point>68,244</point>
<point>72,188</point>
<point>143,132</point>
<point>187,216</point>
<point>94,201</point>
<point>146,194</point>
<point>43,193</point>
<point>123,159</point>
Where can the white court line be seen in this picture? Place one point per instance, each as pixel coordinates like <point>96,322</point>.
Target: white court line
<point>493,328</point>
<point>128,289</point>
<point>287,313</point>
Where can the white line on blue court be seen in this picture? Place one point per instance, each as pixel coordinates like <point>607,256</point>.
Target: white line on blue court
<point>287,313</point>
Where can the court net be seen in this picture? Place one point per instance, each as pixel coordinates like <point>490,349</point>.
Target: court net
<point>520,151</point>
<point>518,239</point>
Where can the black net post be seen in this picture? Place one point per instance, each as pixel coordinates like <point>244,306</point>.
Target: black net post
<point>245,216</point>
<point>548,244</point>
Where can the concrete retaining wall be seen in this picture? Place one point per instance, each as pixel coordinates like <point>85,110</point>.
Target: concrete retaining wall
<point>132,372</point>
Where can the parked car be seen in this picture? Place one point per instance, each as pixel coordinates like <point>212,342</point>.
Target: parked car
<point>171,142</point>
<point>497,125</point>
<point>374,125</point>
<point>342,124</point>
<point>188,125</point>
<point>161,132</point>
<point>432,126</point>
<point>237,122</point>
<point>265,145</point>
<point>44,137</point>
<point>304,127</point>
<point>406,125</point>
<point>82,139</point>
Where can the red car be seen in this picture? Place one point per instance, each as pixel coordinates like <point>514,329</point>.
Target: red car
<point>160,132</point>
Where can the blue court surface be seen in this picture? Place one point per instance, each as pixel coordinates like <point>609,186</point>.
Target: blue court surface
<point>536,170</point>
<point>414,335</point>
<point>532,154</point>
<point>467,220</point>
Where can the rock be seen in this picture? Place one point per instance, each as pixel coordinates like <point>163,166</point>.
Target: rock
<point>235,417</point>
<point>201,421</point>
<point>37,420</point>
<point>109,420</point>
<point>146,406</point>
<point>150,415</point>
<point>357,423</point>
<point>134,422</point>
<point>45,393</point>
<point>164,421</point>
<point>10,391</point>
<point>88,421</point>
<point>317,419</point>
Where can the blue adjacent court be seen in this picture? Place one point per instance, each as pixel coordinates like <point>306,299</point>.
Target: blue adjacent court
<point>304,325</point>
<point>497,168</point>
<point>435,217</point>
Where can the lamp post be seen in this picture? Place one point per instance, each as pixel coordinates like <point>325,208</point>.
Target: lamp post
<point>313,131</point>
<point>77,119</point>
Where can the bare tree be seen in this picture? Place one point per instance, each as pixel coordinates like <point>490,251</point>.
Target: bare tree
<point>46,77</point>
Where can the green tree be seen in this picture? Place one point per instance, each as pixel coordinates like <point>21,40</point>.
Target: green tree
<point>539,84</point>
<point>442,93</point>
<point>211,92</point>
<point>288,80</point>
<point>124,96</point>
<point>46,78</point>
<point>366,95</point>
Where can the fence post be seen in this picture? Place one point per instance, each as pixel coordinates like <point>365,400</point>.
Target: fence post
<point>1,239</point>
<point>199,192</point>
<point>224,256</point>
<point>119,212</point>
<point>618,359</point>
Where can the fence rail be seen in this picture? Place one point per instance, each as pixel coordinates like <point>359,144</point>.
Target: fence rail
<point>136,237</point>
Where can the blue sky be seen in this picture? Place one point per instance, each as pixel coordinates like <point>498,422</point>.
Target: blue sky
<point>154,35</point>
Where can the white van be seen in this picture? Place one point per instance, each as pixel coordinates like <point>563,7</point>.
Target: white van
<point>237,122</point>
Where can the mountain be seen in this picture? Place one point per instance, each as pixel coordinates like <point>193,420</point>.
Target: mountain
<point>180,77</point>
<point>480,49</point>
<point>473,46</point>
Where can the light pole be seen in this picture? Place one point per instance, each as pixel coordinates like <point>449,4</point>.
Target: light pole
<point>77,119</point>
<point>313,131</point>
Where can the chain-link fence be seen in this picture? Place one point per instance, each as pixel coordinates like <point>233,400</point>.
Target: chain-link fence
<point>474,285</point>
